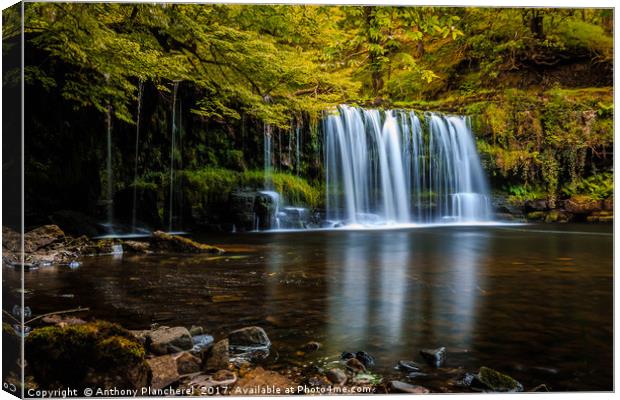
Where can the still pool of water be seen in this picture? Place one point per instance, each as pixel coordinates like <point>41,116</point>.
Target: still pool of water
<point>532,301</point>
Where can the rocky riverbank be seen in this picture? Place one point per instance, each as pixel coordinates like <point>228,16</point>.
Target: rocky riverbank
<point>71,352</point>
<point>573,209</point>
<point>48,245</point>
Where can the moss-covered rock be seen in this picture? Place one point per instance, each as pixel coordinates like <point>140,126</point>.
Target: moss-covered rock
<point>98,353</point>
<point>536,216</point>
<point>582,204</point>
<point>557,216</point>
<point>166,242</point>
<point>495,381</point>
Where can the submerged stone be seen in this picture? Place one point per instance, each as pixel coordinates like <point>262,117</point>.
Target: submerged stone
<point>311,347</point>
<point>250,337</point>
<point>408,366</point>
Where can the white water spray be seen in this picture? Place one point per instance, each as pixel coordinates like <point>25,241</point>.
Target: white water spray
<point>383,168</point>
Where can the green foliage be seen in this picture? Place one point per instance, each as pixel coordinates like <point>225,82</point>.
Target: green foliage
<point>295,190</point>
<point>213,185</point>
<point>544,139</point>
<point>598,186</point>
<point>520,193</point>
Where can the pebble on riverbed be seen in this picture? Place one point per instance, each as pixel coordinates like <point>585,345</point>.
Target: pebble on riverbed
<point>408,366</point>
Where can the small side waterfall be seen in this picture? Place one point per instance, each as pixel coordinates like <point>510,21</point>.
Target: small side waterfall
<point>172,149</point>
<point>267,154</point>
<point>110,183</point>
<point>135,161</point>
<point>385,168</point>
<point>298,148</point>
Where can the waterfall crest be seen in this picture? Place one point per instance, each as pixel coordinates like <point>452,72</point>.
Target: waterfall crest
<point>388,167</point>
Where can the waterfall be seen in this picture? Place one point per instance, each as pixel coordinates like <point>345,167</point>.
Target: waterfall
<point>267,154</point>
<point>135,162</point>
<point>172,140</point>
<point>385,168</point>
<point>110,185</point>
<point>298,148</point>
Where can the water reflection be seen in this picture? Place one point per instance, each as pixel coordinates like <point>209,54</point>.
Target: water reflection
<point>394,290</point>
<point>474,290</point>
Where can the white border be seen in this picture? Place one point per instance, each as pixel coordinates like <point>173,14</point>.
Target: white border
<point>457,3</point>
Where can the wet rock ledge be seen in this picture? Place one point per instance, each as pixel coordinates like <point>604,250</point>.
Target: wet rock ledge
<point>48,244</point>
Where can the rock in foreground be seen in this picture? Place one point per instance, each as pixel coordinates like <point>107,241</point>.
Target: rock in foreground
<point>250,337</point>
<point>93,354</point>
<point>167,340</point>
<point>495,381</point>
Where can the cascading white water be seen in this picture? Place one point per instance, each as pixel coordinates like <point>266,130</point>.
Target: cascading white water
<point>172,144</point>
<point>267,155</point>
<point>110,181</point>
<point>298,148</point>
<point>135,160</point>
<point>383,167</point>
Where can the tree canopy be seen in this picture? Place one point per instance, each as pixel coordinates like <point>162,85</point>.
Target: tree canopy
<point>271,61</point>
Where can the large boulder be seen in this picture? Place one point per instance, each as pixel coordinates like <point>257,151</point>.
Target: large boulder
<point>242,209</point>
<point>42,236</point>
<point>250,337</point>
<point>85,355</point>
<point>165,340</point>
<point>581,204</point>
<point>265,208</point>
